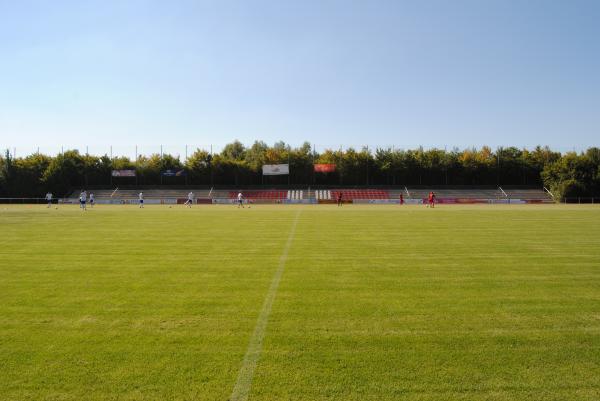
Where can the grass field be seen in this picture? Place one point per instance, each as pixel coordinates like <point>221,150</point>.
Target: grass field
<point>356,303</point>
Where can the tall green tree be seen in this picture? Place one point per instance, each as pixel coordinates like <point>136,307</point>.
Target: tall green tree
<point>5,172</point>
<point>199,167</point>
<point>65,173</point>
<point>568,175</point>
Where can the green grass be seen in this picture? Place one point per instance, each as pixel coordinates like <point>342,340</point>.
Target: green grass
<point>375,302</point>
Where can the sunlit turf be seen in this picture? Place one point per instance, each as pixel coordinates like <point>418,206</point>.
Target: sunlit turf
<point>375,302</point>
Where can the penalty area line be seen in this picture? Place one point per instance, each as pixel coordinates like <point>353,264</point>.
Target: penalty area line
<point>241,390</point>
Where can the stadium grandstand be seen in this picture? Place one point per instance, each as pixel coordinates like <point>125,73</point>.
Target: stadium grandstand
<point>322,195</point>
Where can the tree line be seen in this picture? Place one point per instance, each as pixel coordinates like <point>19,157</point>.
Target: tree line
<point>570,174</point>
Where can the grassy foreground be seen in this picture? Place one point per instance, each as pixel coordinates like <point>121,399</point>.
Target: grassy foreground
<point>375,302</point>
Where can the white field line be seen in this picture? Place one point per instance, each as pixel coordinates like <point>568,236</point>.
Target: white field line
<point>244,379</point>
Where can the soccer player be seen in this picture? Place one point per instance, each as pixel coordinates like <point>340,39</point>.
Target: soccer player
<point>339,198</point>
<point>240,200</point>
<point>83,200</point>
<point>91,200</point>
<point>431,199</point>
<point>49,199</point>
<point>401,199</point>
<point>190,199</point>
<point>141,200</point>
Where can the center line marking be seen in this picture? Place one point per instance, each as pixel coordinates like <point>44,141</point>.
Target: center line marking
<point>244,379</point>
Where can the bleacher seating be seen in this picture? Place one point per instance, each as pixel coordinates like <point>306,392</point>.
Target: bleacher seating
<point>350,194</point>
<point>295,194</point>
<point>323,194</point>
<point>129,194</point>
<point>260,195</point>
<point>527,194</point>
<point>475,193</point>
<point>466,193</point>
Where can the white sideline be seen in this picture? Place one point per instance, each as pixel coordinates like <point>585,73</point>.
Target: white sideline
<point>242,386</point>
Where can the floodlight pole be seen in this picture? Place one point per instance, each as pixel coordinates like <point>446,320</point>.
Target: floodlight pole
<point>446,162</point>
<point>498,166</point>
<point>313,164</point>
<point>368,158</point>
<point>212,180</point>
<point>341,170</point>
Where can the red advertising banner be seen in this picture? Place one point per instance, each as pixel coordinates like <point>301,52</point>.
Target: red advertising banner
<point>324,168</point>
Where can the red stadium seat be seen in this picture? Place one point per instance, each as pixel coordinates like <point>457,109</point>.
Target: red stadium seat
<point>260,195</point>
<point>351,194</point>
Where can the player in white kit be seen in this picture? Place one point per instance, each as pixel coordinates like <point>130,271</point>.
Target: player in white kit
<point>49,199</point>
<point>240,198</point>
<point>83,200</point>
<point>190,199</point>
<point>141,199</point>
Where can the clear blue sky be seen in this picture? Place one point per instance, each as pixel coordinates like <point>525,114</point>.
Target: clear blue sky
<point>378,73</point>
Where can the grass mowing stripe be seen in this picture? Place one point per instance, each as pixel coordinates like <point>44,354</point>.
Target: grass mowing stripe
<point>244,379</point>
